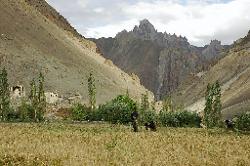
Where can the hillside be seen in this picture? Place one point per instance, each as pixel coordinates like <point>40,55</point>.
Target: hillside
<point>34,37</point>
<point>233,72</point>
<point>161,60</point>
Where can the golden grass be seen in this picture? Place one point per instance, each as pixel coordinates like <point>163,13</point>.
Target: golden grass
<point>104,144</point>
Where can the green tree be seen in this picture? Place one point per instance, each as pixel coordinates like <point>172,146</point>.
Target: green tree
<point>33,98</point>
<point>168,104</point>
<point>217,106</point>
<point>4,95</point>
<point>118,110</point>
<point>41,98</point>
<point>242,122</point>
<point>145,102</point>
<point>79,112</point>
<point>37,98</point>
<point>92,91</point>
<point>1,93</point>
<point>26,111</point>
<point>208,106</point>
<point>212,111</point>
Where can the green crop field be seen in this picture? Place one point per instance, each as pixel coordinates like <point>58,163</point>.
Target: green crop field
<point>105,144</point>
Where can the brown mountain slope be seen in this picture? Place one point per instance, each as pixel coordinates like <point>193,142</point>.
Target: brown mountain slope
<point>31,42</point>
<point>49,12</point>
<point>233,72</point>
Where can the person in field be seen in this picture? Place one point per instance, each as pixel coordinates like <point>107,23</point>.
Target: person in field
<point>134,117</point>
<point>150,125</point>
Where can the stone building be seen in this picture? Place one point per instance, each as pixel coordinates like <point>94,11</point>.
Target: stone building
<point>17,92</point>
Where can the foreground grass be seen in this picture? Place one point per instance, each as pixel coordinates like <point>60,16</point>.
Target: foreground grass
<point>103,144</point>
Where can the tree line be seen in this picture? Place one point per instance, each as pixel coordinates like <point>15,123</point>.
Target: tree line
<point>33,110</point>
<point>118,110</point>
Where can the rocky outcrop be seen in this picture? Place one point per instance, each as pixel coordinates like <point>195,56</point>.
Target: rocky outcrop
<point>161,60</point>
<point>212,50</point>
<point>243,43</point>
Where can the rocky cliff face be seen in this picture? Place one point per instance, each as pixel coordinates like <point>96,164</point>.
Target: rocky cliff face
<point>161,60</point>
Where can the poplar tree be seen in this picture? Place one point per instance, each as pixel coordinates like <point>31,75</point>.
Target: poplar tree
<point>33,98</point>
<point>1,94</point>
<point>217,106</point>
<point>41,98</point>
<point>92,91</point>
<point>168,104</point>
<point>4,95</point>
<point>212,111</point>
<point>208,106</point>
<point>144,101</point>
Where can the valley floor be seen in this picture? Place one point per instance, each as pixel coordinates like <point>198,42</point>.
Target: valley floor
<point>105,144</point>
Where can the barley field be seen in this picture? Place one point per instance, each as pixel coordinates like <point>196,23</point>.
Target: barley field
<point>105,144</point>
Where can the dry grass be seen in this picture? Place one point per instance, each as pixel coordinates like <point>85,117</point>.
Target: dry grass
<point>103,144</point>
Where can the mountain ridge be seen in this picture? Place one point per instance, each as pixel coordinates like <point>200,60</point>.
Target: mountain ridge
<point>167,59</point>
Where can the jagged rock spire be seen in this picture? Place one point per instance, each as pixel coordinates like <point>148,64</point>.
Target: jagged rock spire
<point>145,30</point>
<point>146,26</point>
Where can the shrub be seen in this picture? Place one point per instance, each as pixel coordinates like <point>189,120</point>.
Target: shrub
<point>179,119</point>
<point>26,112</point>
<point>94,115</point>
<point>242,122</point>
<point>79,112</point>
<point>119,110</point>
<point>13,115</point>
<point>147,116</point>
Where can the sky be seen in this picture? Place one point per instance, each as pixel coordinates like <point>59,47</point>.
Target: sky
<point>199,20</point>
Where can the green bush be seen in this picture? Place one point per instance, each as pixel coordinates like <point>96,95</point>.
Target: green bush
<point>94,115</point>
<point>242,122</point>
<point>13,115</point>
<point>119,110</point>
<point>26,112</point>
<point>179,119</point>
<point>80,112</point>
<point>146,116</point>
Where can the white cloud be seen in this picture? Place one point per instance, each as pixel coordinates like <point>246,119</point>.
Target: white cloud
<point>99,10</point>
<point>199,20</point>
<point>110,30</point>
<point>82,3</point>
<point>196,19</point>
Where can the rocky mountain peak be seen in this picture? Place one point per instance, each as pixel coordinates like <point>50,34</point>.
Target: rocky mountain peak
<point>145,30</point>
<point>121,34</point>
<point>215,43</point>
<point>167,58</point>
<point>212,50</point>
<point>146,26</point>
